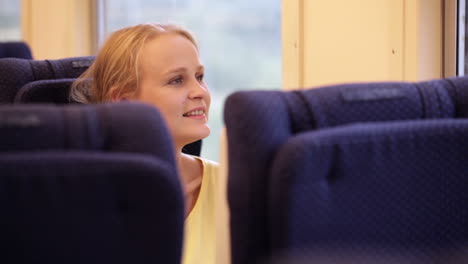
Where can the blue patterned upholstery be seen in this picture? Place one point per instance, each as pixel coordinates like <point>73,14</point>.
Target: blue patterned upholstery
<point>77,187</point>
<point>55,91</point>
<point>372,190</point>
<point>15,73</point>
<point>14,49</point>
<point>459,93</point>
<point>259,122</point>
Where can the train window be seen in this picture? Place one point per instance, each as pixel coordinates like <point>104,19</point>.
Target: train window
<point>10,27</point>
<point>240,48</point>
<point>455,33</point>
<point>462,64</point>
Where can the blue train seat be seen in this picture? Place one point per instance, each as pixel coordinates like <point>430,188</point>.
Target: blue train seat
<point>259,123</point>
<point>88,184</point>
<point>380,192</point>
<point>16,73</point>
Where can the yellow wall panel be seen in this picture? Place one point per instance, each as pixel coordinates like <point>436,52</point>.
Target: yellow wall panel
<point>58,28</point>
<point>341,41</point>
<point>352,40</point>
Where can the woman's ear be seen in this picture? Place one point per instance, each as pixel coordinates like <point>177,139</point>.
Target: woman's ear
<point>124,97</point>
<point>116,95</point>
<point>119,99</point>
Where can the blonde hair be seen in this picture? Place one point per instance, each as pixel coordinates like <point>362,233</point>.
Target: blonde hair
<point>115,69</point>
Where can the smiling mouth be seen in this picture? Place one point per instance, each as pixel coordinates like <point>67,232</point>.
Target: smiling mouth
<point>195,113</point>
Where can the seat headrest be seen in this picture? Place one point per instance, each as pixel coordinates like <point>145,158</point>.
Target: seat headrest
<point>116,127</point>
<point>14,49</point>
<point>347,103</point>
<point>15,73</point>
<point>45,91</point>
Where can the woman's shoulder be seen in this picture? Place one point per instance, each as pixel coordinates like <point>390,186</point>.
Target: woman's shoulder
<point>208,165</point>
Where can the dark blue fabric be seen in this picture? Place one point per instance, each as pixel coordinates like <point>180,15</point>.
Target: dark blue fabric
<point>107,127</point>
<point>89,208</point>
<point>459,93</point>
<point>368,102</point>
<point>15,73</point>
<point>259,122</point>
<point>45,91</point>
<point>15,50</point>
<point>88,184</point>
<point>370,189</point>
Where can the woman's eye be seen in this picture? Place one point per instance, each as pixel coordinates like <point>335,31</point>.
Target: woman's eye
<point>177,80</point>
<point>200,77</point>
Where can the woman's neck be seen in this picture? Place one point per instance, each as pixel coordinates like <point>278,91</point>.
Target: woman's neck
<point>191,173</point>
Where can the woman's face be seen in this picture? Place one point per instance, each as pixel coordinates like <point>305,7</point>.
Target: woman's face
<point>172,79</point>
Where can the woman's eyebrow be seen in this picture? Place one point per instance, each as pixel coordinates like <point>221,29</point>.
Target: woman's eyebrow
<point>182,69</point>
<point>176,70</point>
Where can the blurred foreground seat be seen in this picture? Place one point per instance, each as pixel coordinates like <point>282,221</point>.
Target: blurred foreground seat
<point>260,124</point>
<point>88,184</point>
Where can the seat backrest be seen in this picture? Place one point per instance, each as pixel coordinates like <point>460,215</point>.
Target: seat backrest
<point>374,190</point>
<point>16,73</point>
<point>259,122</point>
<point>88,184</point>
<point>14,49</point>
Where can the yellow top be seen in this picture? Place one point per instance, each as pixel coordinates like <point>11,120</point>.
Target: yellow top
<point>202,241</point>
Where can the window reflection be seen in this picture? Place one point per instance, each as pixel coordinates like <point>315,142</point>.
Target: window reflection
<point>10,27</point>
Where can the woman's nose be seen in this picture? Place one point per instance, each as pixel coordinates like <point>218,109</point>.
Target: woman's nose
<point>198,90</point>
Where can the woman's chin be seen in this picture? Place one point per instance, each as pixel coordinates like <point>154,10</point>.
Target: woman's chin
<point>195,136</point>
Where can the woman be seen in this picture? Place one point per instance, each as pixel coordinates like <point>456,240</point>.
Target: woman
<point>160,65</point>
